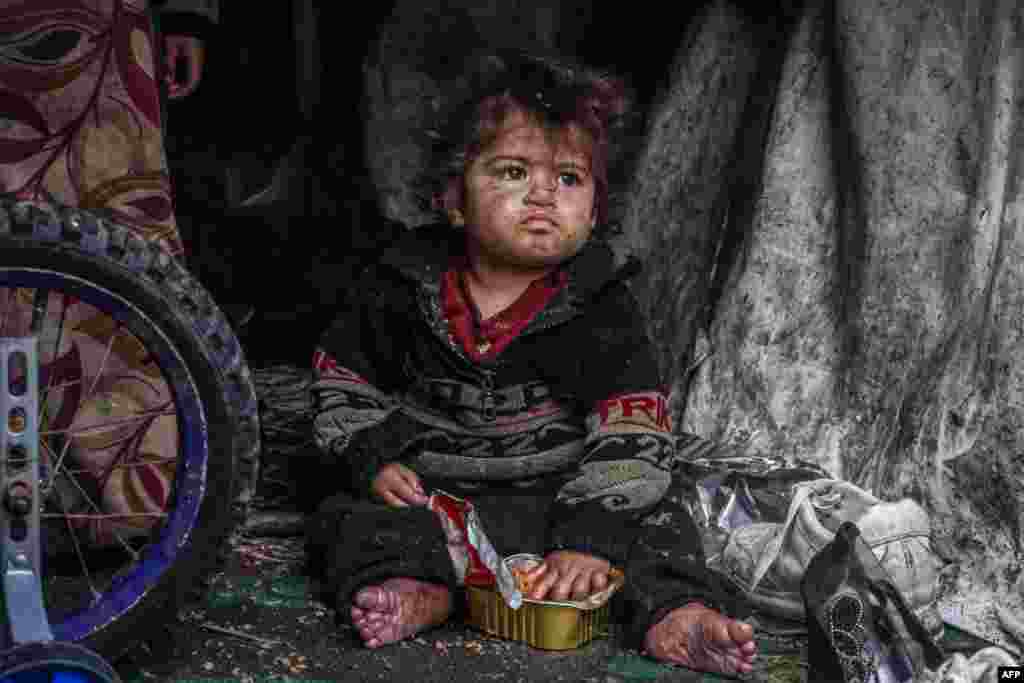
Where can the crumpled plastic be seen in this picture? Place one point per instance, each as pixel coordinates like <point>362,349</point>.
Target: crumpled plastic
<point>981,667</point>
<point>725,500</point>
<point>733,491</point>
<point>977,611</point>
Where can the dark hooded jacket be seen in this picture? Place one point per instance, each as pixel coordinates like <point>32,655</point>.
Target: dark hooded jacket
<point>572,406</point>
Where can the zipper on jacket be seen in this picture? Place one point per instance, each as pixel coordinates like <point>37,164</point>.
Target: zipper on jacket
<point>488,397</point>
<point>485,377</point>
<point>488,405</point>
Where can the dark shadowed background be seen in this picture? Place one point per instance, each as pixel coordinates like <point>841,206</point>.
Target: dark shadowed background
<point>289,88</point>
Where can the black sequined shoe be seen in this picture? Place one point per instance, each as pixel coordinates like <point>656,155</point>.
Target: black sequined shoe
<point>860,629</point>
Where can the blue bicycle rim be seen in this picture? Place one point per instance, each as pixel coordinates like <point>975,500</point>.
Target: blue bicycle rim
<point>127,589</point>
<point>54,662</point>
<point>50,675</point>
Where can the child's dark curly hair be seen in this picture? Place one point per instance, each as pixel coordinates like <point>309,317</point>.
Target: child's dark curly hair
<point>554,92</point>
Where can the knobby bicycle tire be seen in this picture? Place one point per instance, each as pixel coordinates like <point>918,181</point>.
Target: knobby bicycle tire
<point>39,238</point>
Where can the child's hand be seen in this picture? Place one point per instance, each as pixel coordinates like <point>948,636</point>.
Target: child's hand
<point>566,574</point>
<point>398,486</point>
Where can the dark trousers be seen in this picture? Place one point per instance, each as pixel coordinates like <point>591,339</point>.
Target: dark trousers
<point>353,543</point>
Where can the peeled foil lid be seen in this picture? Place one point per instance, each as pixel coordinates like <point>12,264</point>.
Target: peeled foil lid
<point>489,556</point>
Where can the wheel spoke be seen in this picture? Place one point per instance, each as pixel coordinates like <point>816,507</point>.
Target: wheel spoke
<point>85,431</point>
<point>65,449</point>
<point>103,363</point>
<point>99,514</point>
<point>39,303</point>
<point>125,466</point>
<point>59,387</point>
<point>86,574</point>
<point>119,466</point>
<point>15,308</point>
<point>3,321</point>
<point>90,394</point>
<point>56,354</point>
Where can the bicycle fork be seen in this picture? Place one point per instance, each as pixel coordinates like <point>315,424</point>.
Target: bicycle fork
<point>19,493</point>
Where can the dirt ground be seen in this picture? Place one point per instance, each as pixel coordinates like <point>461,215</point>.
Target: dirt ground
<point>259,621</point>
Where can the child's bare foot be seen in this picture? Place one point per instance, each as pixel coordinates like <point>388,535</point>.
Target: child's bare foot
<point>700,638</point>
<point>399,608</point>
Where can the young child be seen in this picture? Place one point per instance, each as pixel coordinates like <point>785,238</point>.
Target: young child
<point>501,357</point>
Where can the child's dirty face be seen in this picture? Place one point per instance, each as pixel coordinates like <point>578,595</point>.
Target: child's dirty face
<point>528,198</point>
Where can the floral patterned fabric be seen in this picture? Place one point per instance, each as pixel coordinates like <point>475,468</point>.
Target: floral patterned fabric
<point>80,124</point>
<point>80,111</point>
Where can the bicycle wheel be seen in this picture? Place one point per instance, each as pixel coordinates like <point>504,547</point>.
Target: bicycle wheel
<point>54,663</point>
<point>149,433</point>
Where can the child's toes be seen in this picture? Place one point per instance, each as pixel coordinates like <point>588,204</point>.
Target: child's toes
<point>369,631</point>
<point>371,598</point>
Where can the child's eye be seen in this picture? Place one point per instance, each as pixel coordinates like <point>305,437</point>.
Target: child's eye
<point>512,173</point>
<point>570,179</point>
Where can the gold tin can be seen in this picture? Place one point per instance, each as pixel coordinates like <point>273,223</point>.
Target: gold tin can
<point>544,624</point>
